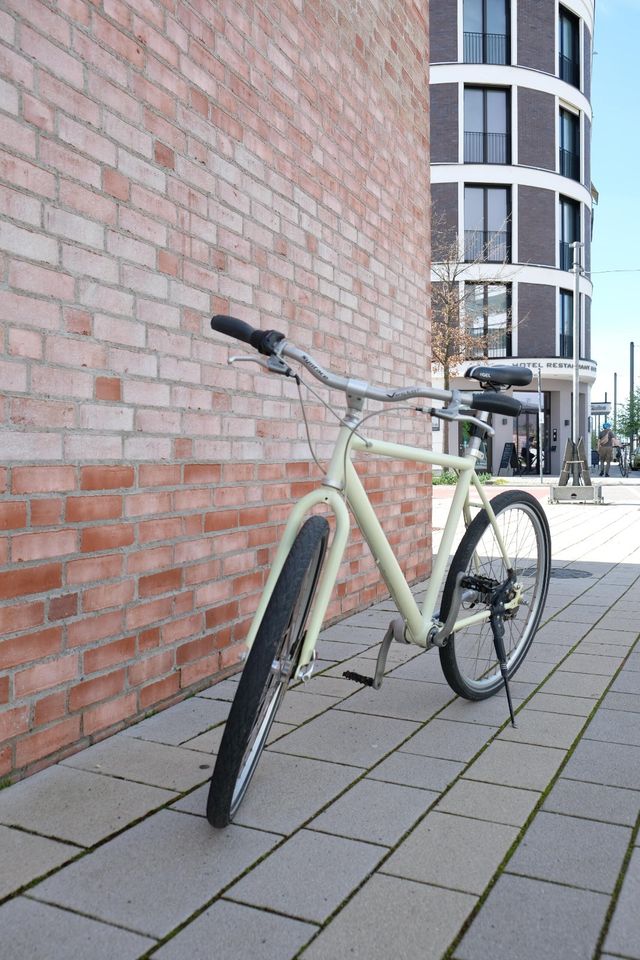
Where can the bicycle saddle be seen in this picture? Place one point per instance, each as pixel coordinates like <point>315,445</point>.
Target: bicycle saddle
<point>493,378</point>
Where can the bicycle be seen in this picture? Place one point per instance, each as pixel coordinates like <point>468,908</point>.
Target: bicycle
<point>623,460</point>
<point>494,591</point>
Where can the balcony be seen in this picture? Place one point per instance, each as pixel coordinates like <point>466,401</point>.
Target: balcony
<point>487,246</point>
<point>486,47</point>
<point>570,71</point>
<point>569,164</point>
<point>486,147</point>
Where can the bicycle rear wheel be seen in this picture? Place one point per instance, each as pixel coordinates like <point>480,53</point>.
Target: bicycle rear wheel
<point>270,665</point>
<point>624,465</point>
<point>469,659</point>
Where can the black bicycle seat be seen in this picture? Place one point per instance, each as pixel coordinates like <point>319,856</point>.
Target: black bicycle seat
<point>494,378</point>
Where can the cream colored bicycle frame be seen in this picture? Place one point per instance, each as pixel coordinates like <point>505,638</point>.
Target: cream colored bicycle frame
<point>342,487</point>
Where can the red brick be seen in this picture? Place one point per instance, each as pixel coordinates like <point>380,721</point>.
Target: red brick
<point>181,629</point>
<point>149,639</point>
<point>89,509</point>
<point>24,343</point>
<point>4,689</point>
<point>150,531</point>
<point>194,650</point>
<point>46,742</point>
<point>61,608</point>
<point>151,667</point>
<point>108,714</point>
<point>27,580</point>
<point>44,676</point>
<point>110,654</point>
<point>108,595</point>
<point>106,538</point>
<point>91,569</point>
<point>92,629</point>
<point>145,613</point>
<point>43,546</point>
<point>158,475</point>
<point>13,515</point>
<point>164,156</point>
<point>50,708</point>
<point>99,688</point>
<point>106,478</point>
<point>192,672</point>
<point>159,691</point>
<point>30,647</point>
<point>46,513</point>
<point>165,582</point>
<point>43,479</point>
<point>108,388</point>
<point>13,722</point>
<point>20,617</point>
<point>222,520</point>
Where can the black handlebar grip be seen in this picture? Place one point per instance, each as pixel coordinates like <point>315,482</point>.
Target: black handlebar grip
<point>232,327</point>
<point>496,403</point>
<point>264,341</point>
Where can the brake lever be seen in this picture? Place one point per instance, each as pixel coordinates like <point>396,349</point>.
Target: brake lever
<point>273,364</point>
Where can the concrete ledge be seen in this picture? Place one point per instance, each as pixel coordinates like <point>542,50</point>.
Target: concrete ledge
<point>573,494</point>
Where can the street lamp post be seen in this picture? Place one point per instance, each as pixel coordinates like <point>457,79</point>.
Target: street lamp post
<point>576,246</point>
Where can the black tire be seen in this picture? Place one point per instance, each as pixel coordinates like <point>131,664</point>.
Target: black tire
<point>624,466</point>
<point>468,659</point>
<point>261,687</point>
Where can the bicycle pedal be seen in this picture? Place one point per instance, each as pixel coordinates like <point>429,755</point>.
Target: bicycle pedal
<point>358,678</point>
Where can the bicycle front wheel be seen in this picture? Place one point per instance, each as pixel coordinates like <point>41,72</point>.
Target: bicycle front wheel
<point>624,466</point>
<point>270,665</point>
<point>469,659</point>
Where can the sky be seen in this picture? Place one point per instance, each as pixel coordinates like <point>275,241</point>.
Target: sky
<point>615,312</point>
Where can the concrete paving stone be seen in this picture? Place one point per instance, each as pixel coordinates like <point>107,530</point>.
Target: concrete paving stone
<point>424,666</point>
<point>358,664</point>
<point>352,738</point>
<point>348,632</point>
<point>413,770</point>
<point>374,811</point>
<point>558,922</point>
<point>516,765</point>
<point>623,936</point>
<point>297,708</point>
<point>544,729</point>
<point>398,655</point>
<point>337,651</point>
<point>24,857</point>
<point>626,682</point>
<point>614,726</point>
<point>564,633</point>
<point>622,701</point>
<point>615,764</point>
<point>36,931</point>
<point>391,917</point>
<point>322,685</point>
<point>181,722</point>
<point>613,637</point>
<point>595,649</point>
<point>370,618</point>
<point>493,712</point>
<point>580,613</point>
<point>573,851</point>
<point>309,876</point>
<point>579,662</point>
<point>121,882</point>
<point>401,699</point>
<point>633,663</point>
<point>577,684</point>
<point>449,740</point>
<point>144,761</point>
<point>452,851</point>
<point>77,806</point>
<point>488,801</point>
<point>551,653</point>
<point>225,930</point>
<point>557,703</point>
<point>223,690</point>
<point>594,801</point>
<point>533,671</point>
<point>209,742</point>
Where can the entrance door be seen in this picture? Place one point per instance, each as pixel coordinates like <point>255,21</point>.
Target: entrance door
<point>526,434</point>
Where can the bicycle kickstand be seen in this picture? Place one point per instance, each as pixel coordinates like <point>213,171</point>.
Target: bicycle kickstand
<point>497,628</point>
<point>395,631</point>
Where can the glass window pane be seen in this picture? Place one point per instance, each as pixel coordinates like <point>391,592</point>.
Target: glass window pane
<point>473,16</point>
<point>496,209</point>
<point>496,111</point>
<point>496,16</point>
<point>473,110</point>
<point>473,208</point>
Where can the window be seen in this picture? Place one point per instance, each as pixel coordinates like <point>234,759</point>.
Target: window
<point>566,323</point>
<point>569,230</point>
<point>487,236</point>
<point>569,48</point>
<point>569,144</point>
<point>486,31</point>
<point>487,312</point>
<point>486,125</point>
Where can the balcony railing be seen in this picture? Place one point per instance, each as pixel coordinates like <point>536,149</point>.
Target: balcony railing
<point>486,147</point>
<point>569,164</point>
<point>496,343</point>
<point>566,345</point>
<point>490,246</point>
<point>486,47</point>
<point>570,70</point>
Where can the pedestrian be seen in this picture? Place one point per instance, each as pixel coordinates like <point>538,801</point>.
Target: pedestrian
<point>606,442</point>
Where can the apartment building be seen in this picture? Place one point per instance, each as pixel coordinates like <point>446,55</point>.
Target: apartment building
<point>511,191</point>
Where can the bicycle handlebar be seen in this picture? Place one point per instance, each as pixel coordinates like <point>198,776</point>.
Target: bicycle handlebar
<point>273,343</point>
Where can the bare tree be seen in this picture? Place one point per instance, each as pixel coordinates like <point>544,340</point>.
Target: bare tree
<point>467,324</point>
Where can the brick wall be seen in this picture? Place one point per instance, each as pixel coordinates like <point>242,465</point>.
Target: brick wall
<point>162,160</point>
<point>536,226</point>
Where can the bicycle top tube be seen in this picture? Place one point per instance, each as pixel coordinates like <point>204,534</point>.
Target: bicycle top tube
<point>274,345</point>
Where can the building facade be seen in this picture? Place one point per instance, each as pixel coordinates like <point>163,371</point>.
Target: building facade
<point>511,191</point>
<point>161,162</point>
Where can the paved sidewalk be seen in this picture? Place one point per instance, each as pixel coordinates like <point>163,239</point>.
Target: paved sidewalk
<point>404,822</point>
